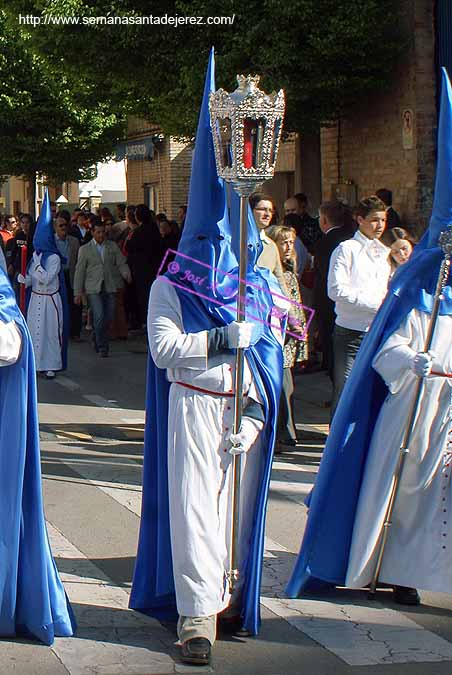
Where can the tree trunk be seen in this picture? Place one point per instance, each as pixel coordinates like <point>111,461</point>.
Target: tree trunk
<point>32,192</point>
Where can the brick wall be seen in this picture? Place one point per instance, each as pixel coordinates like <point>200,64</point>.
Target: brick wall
<point>180,156</point>
<point>366,147</point>
<point>168,171</point>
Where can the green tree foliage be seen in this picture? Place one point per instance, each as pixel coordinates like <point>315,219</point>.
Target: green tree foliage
<point>45,125</point>
<point>324,53</point>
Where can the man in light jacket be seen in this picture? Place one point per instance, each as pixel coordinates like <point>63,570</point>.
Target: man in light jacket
<point>98,274</point>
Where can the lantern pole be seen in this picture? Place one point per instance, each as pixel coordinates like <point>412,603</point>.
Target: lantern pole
<point>246,130</point>
<point>233,573</point>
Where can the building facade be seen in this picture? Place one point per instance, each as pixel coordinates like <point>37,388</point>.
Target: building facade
<point>388,140</point>
<point>16,195</point>
<point>157,168</point>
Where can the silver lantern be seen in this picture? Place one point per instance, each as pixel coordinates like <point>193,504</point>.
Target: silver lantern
<point>246,129</point>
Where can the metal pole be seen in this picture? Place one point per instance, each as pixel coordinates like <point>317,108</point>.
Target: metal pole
<point>23,271</point>
<point>405,446</point>
<point>238,397</point>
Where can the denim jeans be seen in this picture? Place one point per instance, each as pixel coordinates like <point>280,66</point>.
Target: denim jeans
<point>346,343</point>
<point>103,308</point>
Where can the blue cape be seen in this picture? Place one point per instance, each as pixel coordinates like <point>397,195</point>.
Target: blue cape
<point>33,601</point>
<point>44,242</point>
<point>208,241</point>
<point>153,584</point>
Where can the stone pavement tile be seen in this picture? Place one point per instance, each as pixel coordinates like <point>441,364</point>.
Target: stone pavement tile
<point>362,635</point>
<point>119,478</point>
<point>21,657</point>
<point>114,651</point>
<point>111,639</point>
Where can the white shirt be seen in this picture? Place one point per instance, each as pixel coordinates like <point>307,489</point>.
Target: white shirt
<point>358,280</point>
<point>101,250</point>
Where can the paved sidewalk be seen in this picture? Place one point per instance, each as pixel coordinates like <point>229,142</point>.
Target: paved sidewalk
<point>312,392</point>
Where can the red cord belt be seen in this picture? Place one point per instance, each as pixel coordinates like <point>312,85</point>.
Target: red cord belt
<point>207,391</point>
<point>434,372</point>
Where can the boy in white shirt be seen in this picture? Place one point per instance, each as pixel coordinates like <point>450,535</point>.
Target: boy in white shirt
<point>357,282</point>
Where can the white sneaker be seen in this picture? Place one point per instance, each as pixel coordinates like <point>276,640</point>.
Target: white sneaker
<point>50,374</point>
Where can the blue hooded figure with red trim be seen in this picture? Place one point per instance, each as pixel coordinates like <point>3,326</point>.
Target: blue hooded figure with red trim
<point>183,554</point>
<point>47,306</point>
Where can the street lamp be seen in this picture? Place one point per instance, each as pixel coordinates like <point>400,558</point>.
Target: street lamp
<point>61,201</point>
<point>84,199</point>
<point>246,129</point>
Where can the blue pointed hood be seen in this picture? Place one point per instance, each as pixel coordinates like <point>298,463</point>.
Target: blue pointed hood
<point>442,202</point>
<point>207,238</point>
<point>206,201</point>
<point>208,250</point>
<point>44,237</point>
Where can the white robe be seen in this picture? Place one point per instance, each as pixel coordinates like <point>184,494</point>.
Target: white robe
<point>10,343</point>
<point>45,313</point>
<point>419,546</point>
<point>199,464</point>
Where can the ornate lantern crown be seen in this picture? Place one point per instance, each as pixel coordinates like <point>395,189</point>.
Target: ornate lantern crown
<point>246,128</point>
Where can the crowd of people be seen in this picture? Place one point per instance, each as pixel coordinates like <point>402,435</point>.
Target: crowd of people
<point>108,264</point>
<point>339,265</point>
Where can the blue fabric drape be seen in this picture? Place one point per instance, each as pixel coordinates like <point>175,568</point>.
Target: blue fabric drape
<point>33,601</point>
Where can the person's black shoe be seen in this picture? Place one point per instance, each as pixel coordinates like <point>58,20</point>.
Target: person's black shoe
<point>232,625</point>
<point>404,595</point>
<point>291,442</point>
<point>196,651</point>
<point>93,342</point>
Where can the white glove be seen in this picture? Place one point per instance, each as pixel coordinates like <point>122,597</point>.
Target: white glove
<point>421,364</point>
<point>239,334</point>
<point>37,258</point>
<point>248,432</point>
<point>20,278</point>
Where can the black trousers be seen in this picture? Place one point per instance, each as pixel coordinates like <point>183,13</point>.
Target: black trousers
<point>75,311</point>
<point>286,424</point>
<point>346,343</point>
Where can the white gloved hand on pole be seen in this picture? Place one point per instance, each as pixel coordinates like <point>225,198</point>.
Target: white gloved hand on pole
<point>20,279</point>
<point>246,437</point>
<point>421,364</point>
<point>239,334</point>
<point>37,258</point>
